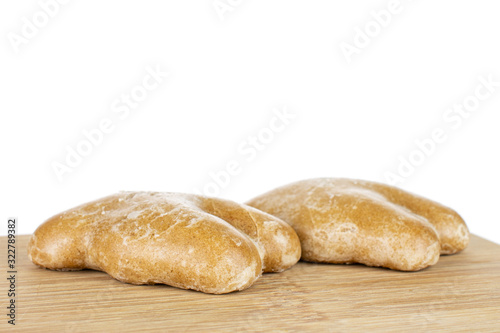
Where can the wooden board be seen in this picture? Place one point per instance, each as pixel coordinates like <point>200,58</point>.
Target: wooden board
<point>459,293</point>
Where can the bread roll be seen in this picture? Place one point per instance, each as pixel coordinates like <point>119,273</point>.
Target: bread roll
<point>187,241</point>
<point>353,221</point>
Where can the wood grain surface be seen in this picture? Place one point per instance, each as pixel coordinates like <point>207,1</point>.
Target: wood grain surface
<point>460,293</point>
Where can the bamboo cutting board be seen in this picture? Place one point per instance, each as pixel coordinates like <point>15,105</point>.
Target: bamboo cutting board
<point>460,293</point>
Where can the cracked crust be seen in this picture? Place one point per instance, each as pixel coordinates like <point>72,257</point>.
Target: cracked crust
<point>353,221</point>
<point>187,241</point>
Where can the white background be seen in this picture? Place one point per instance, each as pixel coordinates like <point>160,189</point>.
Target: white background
<point>225,78</point>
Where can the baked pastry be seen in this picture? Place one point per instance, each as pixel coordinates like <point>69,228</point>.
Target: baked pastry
<point>354,221</point>
<point>183,240</point>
